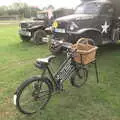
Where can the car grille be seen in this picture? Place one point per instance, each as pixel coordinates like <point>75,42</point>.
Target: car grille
<point>24,25</point>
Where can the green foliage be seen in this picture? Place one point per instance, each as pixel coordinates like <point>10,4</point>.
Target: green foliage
<point>19,8</point>
<point>91,102</point>
<point>3,10</point>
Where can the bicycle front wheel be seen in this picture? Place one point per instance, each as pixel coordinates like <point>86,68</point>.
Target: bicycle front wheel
<point>33,95</point>
<point>79,78</point>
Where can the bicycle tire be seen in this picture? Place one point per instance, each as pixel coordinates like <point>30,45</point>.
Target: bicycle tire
<point>22,88</point>
<point>77,76</point>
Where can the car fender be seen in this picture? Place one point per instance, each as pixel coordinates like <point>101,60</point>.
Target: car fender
<point>37,27</point>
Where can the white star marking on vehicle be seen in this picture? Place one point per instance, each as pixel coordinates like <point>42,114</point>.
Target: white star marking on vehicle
<point>105,27</point>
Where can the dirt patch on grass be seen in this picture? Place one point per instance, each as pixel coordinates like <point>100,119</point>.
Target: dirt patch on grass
<point>6,109</point>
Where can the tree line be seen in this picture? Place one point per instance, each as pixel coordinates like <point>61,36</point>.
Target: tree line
<point>18,8</point>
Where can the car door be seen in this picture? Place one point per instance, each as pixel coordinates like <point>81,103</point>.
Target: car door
<point>89,12</point>
<point>106,19</point>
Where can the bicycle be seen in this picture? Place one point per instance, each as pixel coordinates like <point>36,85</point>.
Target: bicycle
<point>31,100</point>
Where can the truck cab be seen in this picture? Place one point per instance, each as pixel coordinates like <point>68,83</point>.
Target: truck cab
<point>34,29</point>
<point>92,19</point>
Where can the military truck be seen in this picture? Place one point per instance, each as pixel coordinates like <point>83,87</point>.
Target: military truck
<point>37,28</point>
<point>95,19</point>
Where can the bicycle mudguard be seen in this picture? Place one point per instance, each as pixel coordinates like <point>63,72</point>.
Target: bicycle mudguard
<point>35,77</point>
<point>18,88</point>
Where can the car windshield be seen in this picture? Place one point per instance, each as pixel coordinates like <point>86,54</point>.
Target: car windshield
<point>88,8</point>
<point>42,15</point>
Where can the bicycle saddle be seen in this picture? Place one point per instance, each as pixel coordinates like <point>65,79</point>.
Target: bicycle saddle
<point>45,60</point>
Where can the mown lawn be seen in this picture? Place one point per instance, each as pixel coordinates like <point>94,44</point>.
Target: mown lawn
<point>91,102</point>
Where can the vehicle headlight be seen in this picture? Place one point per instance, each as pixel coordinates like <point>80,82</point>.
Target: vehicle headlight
<point>61,41</point>
<point>73,26</point>
<point>55,24</point>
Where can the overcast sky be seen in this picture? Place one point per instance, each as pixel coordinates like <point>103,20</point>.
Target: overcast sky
<point>42,3</point>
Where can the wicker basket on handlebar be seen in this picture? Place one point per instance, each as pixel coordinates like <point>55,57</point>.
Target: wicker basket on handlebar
<point>84,53</point>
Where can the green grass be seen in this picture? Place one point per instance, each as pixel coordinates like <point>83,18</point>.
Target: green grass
<point>91,102</point>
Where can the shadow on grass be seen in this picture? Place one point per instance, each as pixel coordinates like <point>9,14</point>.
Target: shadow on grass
<point>108,48</point>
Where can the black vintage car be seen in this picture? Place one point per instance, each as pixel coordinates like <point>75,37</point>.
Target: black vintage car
<point>93,19</point>
<point>34,29</point>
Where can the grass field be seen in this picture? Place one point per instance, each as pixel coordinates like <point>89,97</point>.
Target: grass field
<point>91,102</point>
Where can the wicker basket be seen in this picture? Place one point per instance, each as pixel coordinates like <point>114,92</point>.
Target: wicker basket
<point>84,53</point>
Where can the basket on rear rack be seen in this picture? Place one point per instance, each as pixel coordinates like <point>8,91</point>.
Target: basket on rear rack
<point>84,53</point>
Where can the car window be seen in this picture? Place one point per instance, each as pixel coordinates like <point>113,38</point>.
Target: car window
<point>107,9</point>
<point>89,8</point>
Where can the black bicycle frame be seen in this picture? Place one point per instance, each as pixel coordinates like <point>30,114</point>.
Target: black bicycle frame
<point>64,72</point>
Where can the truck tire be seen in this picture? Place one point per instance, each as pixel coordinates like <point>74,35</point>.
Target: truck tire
<point>95,36</point>
<point>24,38</point>
<point>37,37</point>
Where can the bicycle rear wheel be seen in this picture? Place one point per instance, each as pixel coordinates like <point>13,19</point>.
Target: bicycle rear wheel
<point>79,78</point>
<point>33,95</point>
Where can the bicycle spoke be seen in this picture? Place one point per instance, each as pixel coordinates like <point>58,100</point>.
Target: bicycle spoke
<point>43,95</point>
<point>34,96</point>
<point>44,91</point>
<point>79,78</point>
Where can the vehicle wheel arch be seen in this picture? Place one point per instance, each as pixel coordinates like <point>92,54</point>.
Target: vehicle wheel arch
<point>38,28</point>
<point>92,33</point>
<point>41,27</point>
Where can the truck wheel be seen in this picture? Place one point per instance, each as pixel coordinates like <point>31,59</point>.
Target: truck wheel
<point>86,40</point>
<point>24,38</point>
<point>37,37</point>
<point>95,36</point>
